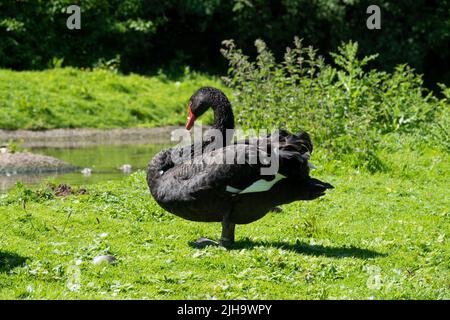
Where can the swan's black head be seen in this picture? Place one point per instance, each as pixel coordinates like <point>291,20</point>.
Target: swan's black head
<point>205,98</point>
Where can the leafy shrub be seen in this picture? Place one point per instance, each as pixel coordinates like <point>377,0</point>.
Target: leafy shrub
<point>344,107</point>
<point>437,130</point>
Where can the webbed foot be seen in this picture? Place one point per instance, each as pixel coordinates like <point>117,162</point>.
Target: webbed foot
<point>204,242</point>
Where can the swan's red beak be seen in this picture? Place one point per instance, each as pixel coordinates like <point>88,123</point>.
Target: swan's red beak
<point>191,118</point>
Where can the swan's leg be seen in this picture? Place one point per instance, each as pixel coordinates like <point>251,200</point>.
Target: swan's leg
<point>227,238</point>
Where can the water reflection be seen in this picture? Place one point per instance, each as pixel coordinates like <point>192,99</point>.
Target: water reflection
<point>105,162</point>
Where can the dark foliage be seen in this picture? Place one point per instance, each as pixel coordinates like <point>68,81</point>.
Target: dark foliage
<point>145,34</point>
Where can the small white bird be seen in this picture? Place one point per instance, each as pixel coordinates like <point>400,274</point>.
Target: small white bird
<point>86,172</point>
<point>126,168</point>
<point>3,149</point>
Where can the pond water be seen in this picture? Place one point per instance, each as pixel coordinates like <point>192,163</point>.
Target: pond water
<point>104,160</point>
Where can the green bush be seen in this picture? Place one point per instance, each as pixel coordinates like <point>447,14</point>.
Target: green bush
<point>346,108</point>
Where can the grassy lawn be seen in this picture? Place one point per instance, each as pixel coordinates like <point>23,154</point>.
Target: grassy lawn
<point>73,98</point>
<point>381,236</point>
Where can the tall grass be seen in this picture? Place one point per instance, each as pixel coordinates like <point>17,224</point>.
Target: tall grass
<point>95,98</point>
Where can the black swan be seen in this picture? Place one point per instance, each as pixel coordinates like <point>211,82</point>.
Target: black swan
<point>231,193</point>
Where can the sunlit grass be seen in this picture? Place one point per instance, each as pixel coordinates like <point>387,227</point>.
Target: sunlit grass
<point>381,236</point>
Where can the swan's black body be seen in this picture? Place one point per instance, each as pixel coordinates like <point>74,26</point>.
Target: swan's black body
<point>200,190</point>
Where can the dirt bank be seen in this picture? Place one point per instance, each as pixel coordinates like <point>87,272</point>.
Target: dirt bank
<point>84,137</point>
<point>25,162</point>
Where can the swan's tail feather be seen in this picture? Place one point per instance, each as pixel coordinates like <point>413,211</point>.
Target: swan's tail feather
<point>317,188</point>
<point>294,153</point>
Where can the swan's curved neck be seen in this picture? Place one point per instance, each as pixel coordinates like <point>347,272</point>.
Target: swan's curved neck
<point>223,115</point>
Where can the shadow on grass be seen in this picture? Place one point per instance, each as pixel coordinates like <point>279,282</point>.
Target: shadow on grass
<point>309,249</point>
<point>300,247</point>
<point>10,260</point>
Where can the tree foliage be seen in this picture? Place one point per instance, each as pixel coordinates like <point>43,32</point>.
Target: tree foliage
<point>149,33</point>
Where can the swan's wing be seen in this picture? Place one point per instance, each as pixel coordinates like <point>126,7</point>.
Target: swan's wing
<point>237,168</point>
<point>292,150</point>
<point>212,171</point>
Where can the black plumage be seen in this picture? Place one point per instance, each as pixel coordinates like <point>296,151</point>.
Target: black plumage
<point>208,190</point>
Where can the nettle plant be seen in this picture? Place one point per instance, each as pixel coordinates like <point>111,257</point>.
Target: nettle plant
<point>344,107</point>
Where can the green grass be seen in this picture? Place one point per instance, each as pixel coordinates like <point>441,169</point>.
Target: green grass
<point>381,236</point>
<point>73,98</point>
